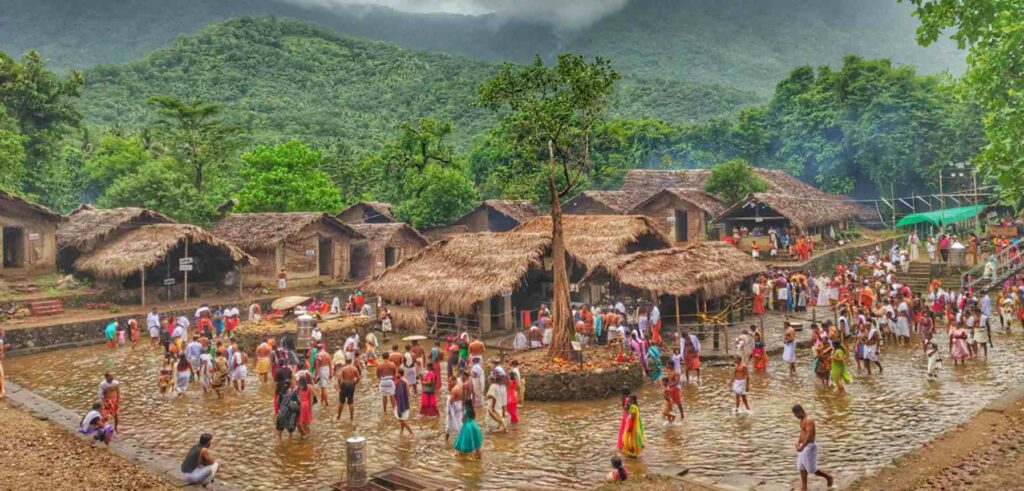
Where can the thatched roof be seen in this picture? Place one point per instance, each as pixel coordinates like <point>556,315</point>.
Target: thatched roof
<point>89,226</point>
<point>712,268</point>
<point>697,197</point>
<point>454,274</point>
<point>616,201</point>
<point>593,239</point>
<point>518,210</point>
<point>17,202</point>
<point>253,231</point>
<point>146,246</point>
<point>647,182</point>
<point>801,211</point>
<point>381,233</point>
<point>377,208</point>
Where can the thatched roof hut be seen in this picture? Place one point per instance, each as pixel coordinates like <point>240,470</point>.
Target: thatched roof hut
<point>148,245</point>
<point>699,198</point>
<point>263,230</point>
<point>592,239</point>
<point>599,203</point>
<point>8,200</point>
<point>681,213</point>
<point>307,245</point>
<point>455,274</point>
<point>367,212</point>
<point>88,227</point>
<point>385,244</point>
<point>714,269</point>
<point>776,209</point>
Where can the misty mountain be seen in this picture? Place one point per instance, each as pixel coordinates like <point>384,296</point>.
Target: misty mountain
<point>281,78</point>
<point>748,44</point>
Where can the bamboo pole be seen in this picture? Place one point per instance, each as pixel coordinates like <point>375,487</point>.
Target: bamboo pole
<point>142,273</point>
<point>679,324</point>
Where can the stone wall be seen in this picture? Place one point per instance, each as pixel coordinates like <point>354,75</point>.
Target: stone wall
<point>578,386</point>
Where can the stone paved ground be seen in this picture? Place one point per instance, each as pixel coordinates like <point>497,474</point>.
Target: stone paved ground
<point>40,455</point>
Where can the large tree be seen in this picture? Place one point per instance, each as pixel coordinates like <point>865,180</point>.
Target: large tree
<point>733,180</point>
<point>286,177</point>
<point>994,32</point>
<point>195,135</point>
<point>551,114</point>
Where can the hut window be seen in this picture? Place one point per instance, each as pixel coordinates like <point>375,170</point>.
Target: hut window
<point>390,257</point>
<point>14,247</point>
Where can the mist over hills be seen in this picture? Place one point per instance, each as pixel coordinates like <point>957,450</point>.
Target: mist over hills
<point>747,44</point>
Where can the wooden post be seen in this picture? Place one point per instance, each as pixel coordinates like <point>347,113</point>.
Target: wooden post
<point>142,273</point>
<point>241,291</point>
<point>679,325</point>
<point>186,272</point>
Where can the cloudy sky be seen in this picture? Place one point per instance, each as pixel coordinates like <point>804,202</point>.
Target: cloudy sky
<point>564,13</point>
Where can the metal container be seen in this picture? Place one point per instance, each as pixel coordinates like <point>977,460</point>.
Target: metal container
<point>304,332</point>
<point>355,462</point>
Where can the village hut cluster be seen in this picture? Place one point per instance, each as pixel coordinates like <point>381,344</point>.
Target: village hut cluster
<point>654,240</point>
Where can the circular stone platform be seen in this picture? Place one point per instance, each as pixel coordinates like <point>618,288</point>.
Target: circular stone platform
<point>600,376</point>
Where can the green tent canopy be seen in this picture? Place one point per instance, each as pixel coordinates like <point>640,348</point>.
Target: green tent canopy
<point>942,217</point>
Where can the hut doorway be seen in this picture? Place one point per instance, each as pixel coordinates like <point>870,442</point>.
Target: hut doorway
<point>14,247</point>
<point>389,257</point>
<point>682,226</point>
<point>326,257</point>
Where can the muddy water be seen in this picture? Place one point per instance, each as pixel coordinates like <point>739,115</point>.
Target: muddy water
<point>557,445</point>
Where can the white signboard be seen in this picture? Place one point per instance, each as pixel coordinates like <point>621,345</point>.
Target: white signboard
<point>168,281</point>
<point>185,267</point>
<point>183,261</point>
<point>311,252</point>
<point>33,236</point>
<point>576,346</point>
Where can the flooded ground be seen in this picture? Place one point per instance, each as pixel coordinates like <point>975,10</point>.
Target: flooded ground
<point>557,445</point>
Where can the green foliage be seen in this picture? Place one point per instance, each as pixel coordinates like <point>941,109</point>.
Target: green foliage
<point>994,32</point>
<point>12,154</point>
<point>552,114</point>
<point>196,135</point>
<point>114,156</point>
<point>733,180</point>
<point>286,177</point>
<point>42,105</point>
<point>440,195</point>
<point>162,185</point>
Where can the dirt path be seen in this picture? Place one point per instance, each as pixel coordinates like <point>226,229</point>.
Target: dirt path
<point>38,455</point>
<point>985,453</point>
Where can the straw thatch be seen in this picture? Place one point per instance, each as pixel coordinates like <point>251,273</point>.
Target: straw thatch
<point>382,233</point>
<point>368,210</point>
<point>714,269</point>
<point>593,239</point>
<point>518,210</point>
<point>146,246</point>
<point>699,198</point>
<point>619,202</point>
<point>254,231</point>
<point>802,212</point>
<point>88,226</point>
<point>17,202</point>
<point>455,274</point>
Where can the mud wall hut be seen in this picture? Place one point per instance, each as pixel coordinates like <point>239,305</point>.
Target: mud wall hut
<point>29,237</point>
<point>149,257</point>
<point>384,245</point>
<point>310,247</point>
<point>683,214</point>
<point>87,227</point>
<point>367,212</point>
<point>808,215</point>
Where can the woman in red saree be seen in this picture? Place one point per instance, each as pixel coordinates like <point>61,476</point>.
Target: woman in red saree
<point>428,398</point>
<point>757,289</point>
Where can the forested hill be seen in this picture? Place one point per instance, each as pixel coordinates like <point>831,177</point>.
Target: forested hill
<point>282,78</point>
<point>749,44</point>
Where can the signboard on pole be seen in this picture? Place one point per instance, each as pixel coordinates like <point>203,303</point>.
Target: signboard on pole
<point>168,281</point>
<point>185,260</point>
<point>185,267</point>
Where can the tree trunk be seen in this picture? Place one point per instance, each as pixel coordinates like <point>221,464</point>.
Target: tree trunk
<point>561,313</point>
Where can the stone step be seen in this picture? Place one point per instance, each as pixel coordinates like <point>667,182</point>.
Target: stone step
<point>44,307</point>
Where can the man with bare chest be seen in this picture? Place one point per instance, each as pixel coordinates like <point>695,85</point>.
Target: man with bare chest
<point>348,378</point>
<point>807,450</point>
<point>386,380</point>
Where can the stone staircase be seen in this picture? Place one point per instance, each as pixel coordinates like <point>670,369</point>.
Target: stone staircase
<point>46,307</point>
<point>921,274</point>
